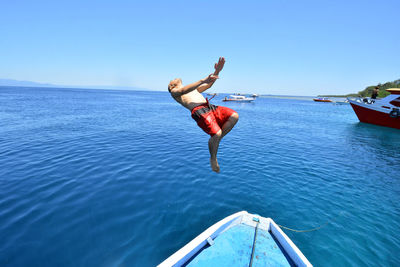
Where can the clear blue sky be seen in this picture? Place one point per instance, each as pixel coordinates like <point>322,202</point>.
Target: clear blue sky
<point>271,47</point>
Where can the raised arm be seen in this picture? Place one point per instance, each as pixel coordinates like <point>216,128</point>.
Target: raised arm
<point>178,91</point>
<point>218,67</point>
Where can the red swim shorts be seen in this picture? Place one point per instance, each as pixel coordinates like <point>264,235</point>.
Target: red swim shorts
<point>211,118</point>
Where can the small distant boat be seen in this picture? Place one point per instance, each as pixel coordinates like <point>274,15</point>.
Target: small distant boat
<point>213,94</point>
<point>322,99</point>
<point>255,95</point>
<point>383,112</point>
<point>238,98</point>
<point>241,239</point>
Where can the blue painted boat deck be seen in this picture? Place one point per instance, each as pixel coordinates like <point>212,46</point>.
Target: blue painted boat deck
<point>234,246</point>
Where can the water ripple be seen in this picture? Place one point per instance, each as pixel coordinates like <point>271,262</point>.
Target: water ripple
<point>91,177</point>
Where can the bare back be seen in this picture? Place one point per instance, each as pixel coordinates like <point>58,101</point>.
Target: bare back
<point>191,99</point>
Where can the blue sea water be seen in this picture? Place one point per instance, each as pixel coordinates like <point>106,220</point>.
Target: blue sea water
<point>122,178</point>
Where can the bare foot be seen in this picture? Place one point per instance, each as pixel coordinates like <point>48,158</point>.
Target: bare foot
<point>214,164</point>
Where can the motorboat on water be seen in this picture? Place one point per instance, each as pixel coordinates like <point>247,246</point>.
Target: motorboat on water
<point>322,99</point>
<point>239,98</point>
<point>383,112</point>
<point>242,239</point>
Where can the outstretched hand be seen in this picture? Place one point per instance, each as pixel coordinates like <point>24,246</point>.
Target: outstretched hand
<point>219,66</point>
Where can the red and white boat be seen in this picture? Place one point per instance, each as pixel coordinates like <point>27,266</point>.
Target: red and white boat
<point>322,99</point>
<point>383,112</point>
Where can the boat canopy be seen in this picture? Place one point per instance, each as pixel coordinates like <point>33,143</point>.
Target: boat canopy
<point>238,96</point>
<point>394,91</point>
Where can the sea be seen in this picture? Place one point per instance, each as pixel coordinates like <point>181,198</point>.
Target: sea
<point>122,178</point>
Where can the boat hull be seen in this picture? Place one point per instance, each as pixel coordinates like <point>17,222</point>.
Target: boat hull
<point>371,115</point>
<point>234,100</point>
<point>320,100</point>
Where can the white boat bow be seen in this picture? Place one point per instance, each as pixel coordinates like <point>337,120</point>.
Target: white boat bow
<point>272,248</point>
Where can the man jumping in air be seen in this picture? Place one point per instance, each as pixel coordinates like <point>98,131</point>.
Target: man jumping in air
<point>216,121</point>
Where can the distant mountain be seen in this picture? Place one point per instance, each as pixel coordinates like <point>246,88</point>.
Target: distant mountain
<point>10,82</point>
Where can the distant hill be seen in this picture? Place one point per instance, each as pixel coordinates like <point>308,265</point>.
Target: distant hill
<point>368,91</point>
<point>10,82</point>
<point>382,91</point>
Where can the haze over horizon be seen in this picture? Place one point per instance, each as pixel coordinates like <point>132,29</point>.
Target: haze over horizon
<point>30,84</point>
<point>276,47</point>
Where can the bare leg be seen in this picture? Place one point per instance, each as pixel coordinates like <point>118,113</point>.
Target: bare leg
<point>213,143</point>
<point>228,125</point>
